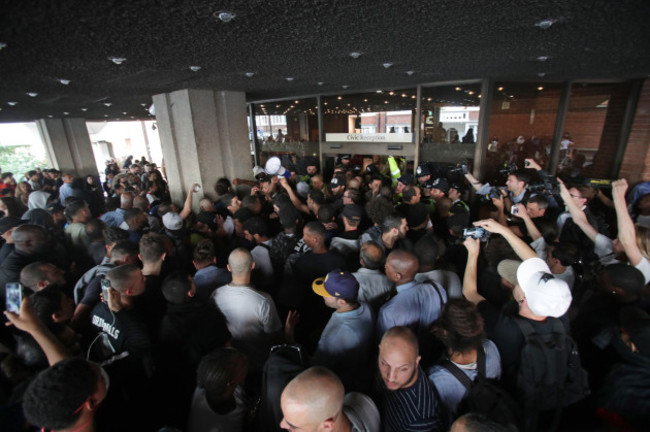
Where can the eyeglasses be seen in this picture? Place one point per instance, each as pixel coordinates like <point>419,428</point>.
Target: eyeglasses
<point>577,196</point>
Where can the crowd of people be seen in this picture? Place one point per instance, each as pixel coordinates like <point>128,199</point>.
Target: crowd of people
<point>378,300</point>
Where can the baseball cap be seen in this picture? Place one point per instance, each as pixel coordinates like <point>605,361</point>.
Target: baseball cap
<point>439,183</point>
<point>546,295</point>
<point>352,211</point>
<point>172,221</point>
<point>337,181</point>
<point>303,189</point>
<point>9,222</point>
<point>406,178</point>
<point>423,170</point>
<point>257,170</point>
<point>372,169</point>
<point>338,284</point>
<point>507,269</point>
<point>345,156</point>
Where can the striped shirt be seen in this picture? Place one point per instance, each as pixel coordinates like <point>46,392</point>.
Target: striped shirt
<point>415,408</point>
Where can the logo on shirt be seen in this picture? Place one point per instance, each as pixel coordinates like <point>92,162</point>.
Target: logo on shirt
<point>106,327</point>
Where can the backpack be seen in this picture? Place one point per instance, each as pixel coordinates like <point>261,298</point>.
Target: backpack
<point>484,395</point>
<point>550,374</point>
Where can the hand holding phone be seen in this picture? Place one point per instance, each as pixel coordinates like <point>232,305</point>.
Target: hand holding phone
<point>14,297</point>
<point>106,286</point>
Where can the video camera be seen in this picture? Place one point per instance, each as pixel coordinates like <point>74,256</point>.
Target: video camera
<point>477,233</point>
<point>548,186</point>
<point>458,169</point>
<point>508,169</point>
<point>495,192</point>
<point>599,183</point>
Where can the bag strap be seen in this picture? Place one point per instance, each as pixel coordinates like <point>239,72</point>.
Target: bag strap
<point>458,374</point>
<point>435,286</point>
<point>481,362</point>
<point>525,327</point>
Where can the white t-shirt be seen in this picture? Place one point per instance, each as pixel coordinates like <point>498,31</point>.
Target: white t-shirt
<point>249,313</point>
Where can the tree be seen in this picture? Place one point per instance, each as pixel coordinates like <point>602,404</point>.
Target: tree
<point>19,160</point>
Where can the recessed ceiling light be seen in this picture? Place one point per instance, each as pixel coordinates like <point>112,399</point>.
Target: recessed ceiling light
<point>542,58</point>
<point>105,115</point>
<point>344,86</point>
<point>429,99</point>
<point>541,74</point>
<point>339,97</point>
<point>50,116</point>
<point>387,65</point>
<point>325,103</point>
<point>385,102</point>
<point>365,100</point>
<point>224,16</point>
<point>108,103</point>
<point>409,73</point>
<point>404,95</point>
<point>289,79</point>
<point>250,74</point>
<point>64,81</point>
<point>391,93</point>
<point>380,91</point>
<point>117,60</point>
<point>3,45</point>
<point>12,103</point>
<point>124,113</point>
<point>413,97</point>
<point>143,104</point>
<point>479,96</point>
<point>500,89</point>
<point>540,88</point>
<point>458,88</point>
<point>296,101</point>
<point>195,68</point>
<point>66,113</point>
<point>470,92</point>
<point>32,94</point>
<point>355,55</point>
<point>84,109</point>
<point>291,106</point>
<point>320,83</point>
<point>545,23</point>
<point>262,106</point>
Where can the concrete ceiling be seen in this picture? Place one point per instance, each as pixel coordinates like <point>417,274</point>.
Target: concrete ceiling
<point>307,40</point>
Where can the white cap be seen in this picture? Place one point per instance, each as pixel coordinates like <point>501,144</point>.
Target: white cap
<point>257,170</point>
<point>273,165</point>
<point>172,221</point>
<point>546,295</point>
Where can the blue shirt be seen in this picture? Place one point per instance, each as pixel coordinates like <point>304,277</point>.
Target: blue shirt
<point>416,305</point>
<point>451,391</point>
<point>64,191</point>
<point>346,342</point>
<point>113,218</point>
<point>209,279</point>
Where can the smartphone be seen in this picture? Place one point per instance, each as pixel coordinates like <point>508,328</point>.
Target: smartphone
<point>514,210</point>
<point>106,286</point>
<point>14,295</point>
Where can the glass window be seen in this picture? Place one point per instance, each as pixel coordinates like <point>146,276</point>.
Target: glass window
<point>592,129</point>
<point>449,123</point>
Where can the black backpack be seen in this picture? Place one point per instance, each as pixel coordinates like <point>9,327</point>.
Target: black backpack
<point>484,395</point>
<point>550,374</point>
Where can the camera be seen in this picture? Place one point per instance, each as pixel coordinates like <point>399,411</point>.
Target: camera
<point>508,169</point>
<point>495,192</point>
<point>476,233</point>
<point>458,169</point>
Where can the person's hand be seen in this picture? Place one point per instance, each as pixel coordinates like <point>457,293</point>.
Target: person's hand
<point>275,179</point>
<point>564,191</point>
<point>194,187</point>
<point>283,182</point>
<point>521,211</point>
<point>473,246</point>
<point>491,225</point>
<point>235,181</point>
<point>255,190</point>
<point>498,203</point>
<point>330,226</point>
<point>619,187</point>
<point>293,318</point>
<point>26,319</point>
<point>114,300</point>
<point>530,163</point>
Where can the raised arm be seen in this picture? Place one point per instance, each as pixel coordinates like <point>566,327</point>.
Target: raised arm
<point>187,207</point>
<point>27,321</point>
<point>294,198</point>
<point>473,181</point>
<point>518,245</point>
<point>530,225</point>
<point>626,231</point>
<point>470,287</point>
<point>579,216</point>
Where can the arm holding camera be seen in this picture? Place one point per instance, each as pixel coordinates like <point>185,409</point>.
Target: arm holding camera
<point>299,205</point>
<point>518,245</point>
<point>27,321</point>
<point>470,287</point>
<point>530,225</point>
<point>626,231</point>
<point>473,181</point>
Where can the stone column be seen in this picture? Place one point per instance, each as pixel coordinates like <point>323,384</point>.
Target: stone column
<point>204,136</point>
<point>68,145</point>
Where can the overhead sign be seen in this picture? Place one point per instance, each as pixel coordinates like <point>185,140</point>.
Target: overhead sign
<point>370,137</point>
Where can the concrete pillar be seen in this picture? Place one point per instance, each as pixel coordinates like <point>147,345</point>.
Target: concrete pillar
<point>204,136</point>
<point>68,145</point>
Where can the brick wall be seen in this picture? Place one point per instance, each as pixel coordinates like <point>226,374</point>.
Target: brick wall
<point>636,161</point>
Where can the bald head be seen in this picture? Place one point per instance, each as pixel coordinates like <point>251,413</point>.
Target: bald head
<point>30,239</point>
<point>372,255</point>
<point>240,262</point>
<point>126,201</point>
<point>403,263</point>
<point>313,397</point>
